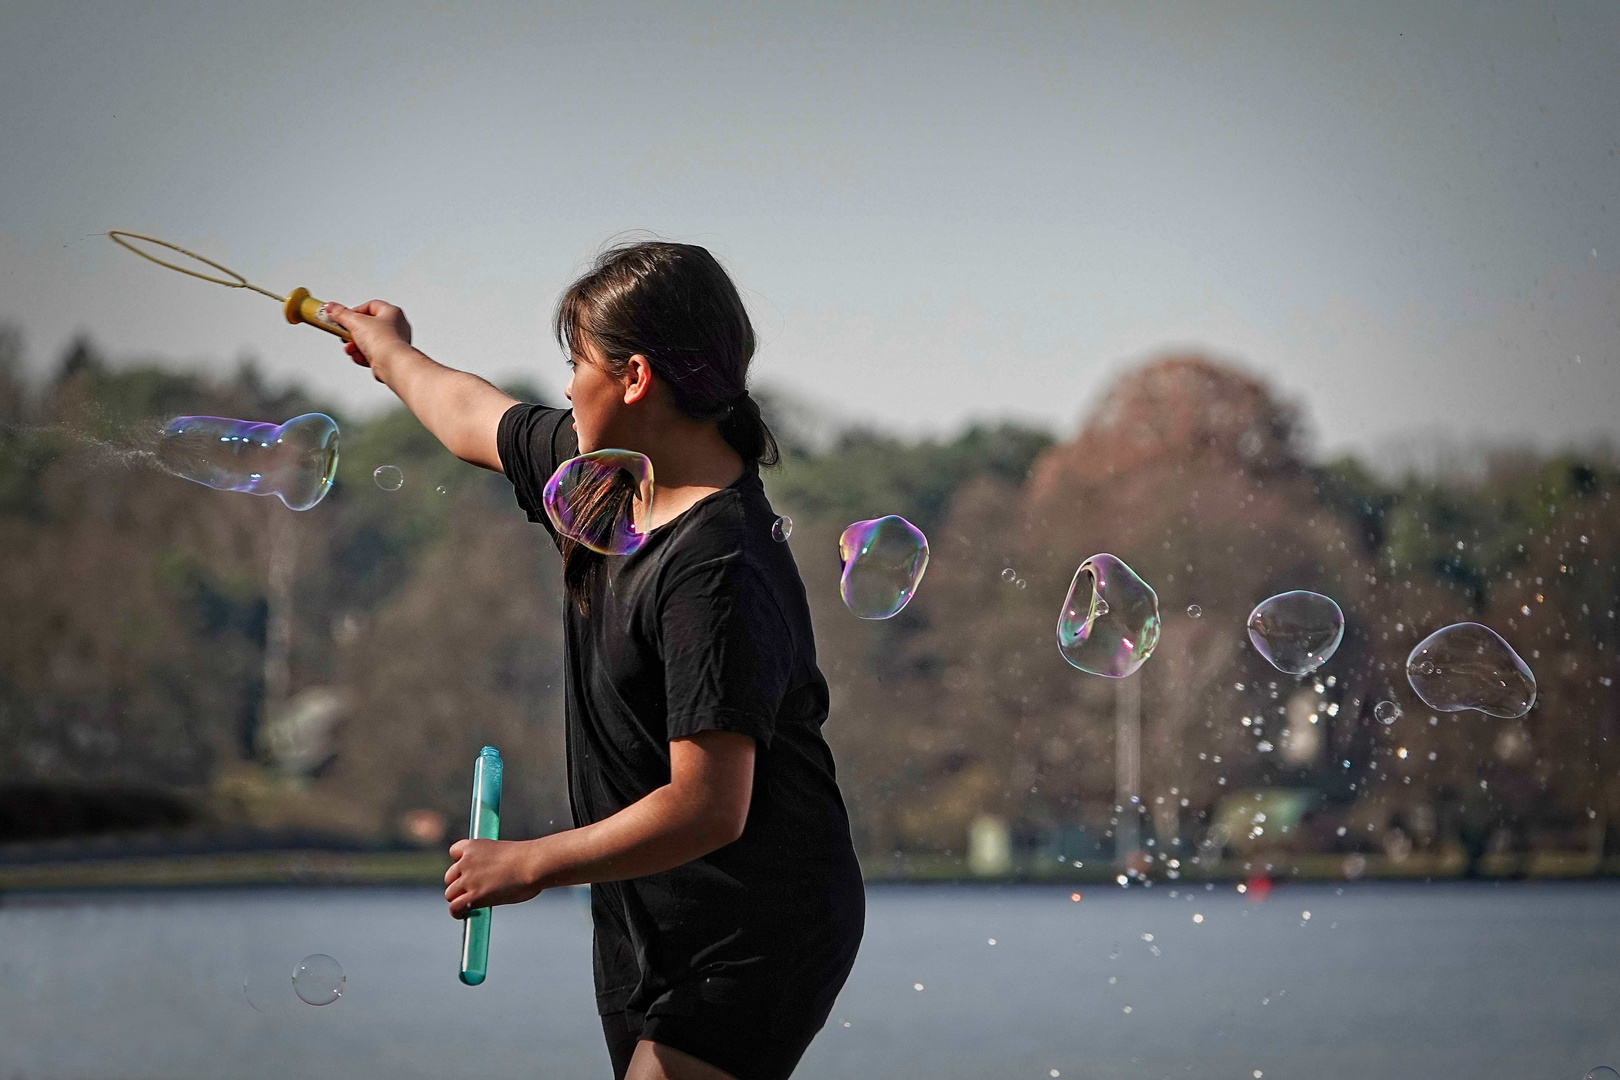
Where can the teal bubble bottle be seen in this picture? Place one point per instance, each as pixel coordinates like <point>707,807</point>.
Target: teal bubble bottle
<point>485,825</point>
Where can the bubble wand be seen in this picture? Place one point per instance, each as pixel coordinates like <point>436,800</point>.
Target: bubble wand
<point>299,307</point>
<point>485,825</point>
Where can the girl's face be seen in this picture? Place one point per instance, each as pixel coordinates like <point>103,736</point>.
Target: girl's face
<point>604,413</point>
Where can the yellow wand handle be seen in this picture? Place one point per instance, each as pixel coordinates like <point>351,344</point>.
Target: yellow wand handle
<point>304,308</point>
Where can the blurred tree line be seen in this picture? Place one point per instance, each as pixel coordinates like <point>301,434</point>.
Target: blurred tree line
<point>135,612</point>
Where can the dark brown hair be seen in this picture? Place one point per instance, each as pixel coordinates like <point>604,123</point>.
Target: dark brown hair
<point>675,305</point>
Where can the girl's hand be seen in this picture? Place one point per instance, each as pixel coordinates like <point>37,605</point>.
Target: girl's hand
<point>376,329</point>
<point>489,872</point>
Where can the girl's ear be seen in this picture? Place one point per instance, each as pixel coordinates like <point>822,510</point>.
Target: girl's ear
<point>638,379</point>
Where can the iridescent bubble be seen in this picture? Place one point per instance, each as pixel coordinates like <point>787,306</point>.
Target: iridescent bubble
<point>1194,611</point>
<point>1469,666</point>
<point>295,461</point>
<point>318,979</point>
<point>1603,1072</point>
<point>1296,631</point>
<point>389,477</point>
<point>1009,575</point>
<point>1109,624</point>
<point>1386,712</point>
<point>602,500</point>
<point>883,561</point>
<point>781,529</point>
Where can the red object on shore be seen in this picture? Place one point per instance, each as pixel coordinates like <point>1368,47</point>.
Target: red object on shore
<point>1259,887</point>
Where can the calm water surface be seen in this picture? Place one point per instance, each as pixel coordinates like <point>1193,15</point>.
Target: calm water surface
<point>1381,981</point>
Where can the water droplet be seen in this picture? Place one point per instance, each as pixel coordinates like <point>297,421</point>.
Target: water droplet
<point>1126,1009</point>
<point>1194,611</point>
<point>295,461</point>
<point>318,979</point>
<point>1198,917</point>
<point>1387,712</point>
<point>602,500</point>
<point>1109,624</point>
<point>883,561</point>
<point>1469,666</point>
<point>989,941</point>
<point>917,987</point>
<point>389,477</point>
<point>1296,631</point>
<point>781,529</point>
<point>1009,575</point>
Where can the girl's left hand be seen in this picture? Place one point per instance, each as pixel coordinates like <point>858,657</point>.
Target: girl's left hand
<point>489,872</point>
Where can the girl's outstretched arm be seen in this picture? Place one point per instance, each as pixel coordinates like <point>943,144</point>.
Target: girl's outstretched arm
<point>703,807</point>
<point>461,410</point>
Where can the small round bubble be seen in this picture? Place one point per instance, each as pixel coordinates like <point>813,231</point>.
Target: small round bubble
<point>1109,623</point>
<point>1296,631</point>
<point>1470,666</point>
<point>318,979</point>
<point>442,490</point>
<point>781,529</point>
<point>1194,611</point>
<point>1387,712</point>
<point>1009,575</point>
<point>389,477</point>
<point>602,500</point>
<point>882,562</point>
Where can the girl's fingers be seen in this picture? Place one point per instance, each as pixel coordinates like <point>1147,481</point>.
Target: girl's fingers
<point>451,874</point>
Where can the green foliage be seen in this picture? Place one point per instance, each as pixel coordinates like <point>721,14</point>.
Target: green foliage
<point>867,474</point>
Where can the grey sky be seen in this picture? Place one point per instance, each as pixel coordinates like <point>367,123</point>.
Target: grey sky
<point>1406,215</point>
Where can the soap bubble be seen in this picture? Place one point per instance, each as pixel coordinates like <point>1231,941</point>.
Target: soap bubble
<point>294,461</point>
<point>781,529</point>
<point>883,562</point>
<point>1469,666</point>
<point>1603,1072</point>
<point>602,500</point>
<point>1194,611</point>
<point>389,477</point>
<point>318,980</point>
<point>1109,624</point>
<point>1009,575</point>
<point>1386,712</point>
<point>1296,631</point>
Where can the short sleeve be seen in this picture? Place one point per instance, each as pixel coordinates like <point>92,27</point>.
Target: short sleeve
<point>532,441</point>
<point>727,652</point>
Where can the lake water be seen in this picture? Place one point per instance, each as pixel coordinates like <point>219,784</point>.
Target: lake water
<point>1470,981</point>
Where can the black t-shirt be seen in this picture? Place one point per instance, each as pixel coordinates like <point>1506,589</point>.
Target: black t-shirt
<point>706,627</point>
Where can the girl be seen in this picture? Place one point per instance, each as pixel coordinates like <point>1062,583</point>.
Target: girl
<point>725,894</point>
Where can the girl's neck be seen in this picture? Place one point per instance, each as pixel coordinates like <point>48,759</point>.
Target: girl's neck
<point>691,461</point>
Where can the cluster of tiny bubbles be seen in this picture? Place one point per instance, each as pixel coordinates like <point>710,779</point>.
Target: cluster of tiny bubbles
<point>1469,666</point>
<point>1009,575</point>
<point>295,461</point>
<point>318,979</point>
<point>1296,631</point>
<point>1194,611</point>
<point>1386,712</point>
<point>602,500</point>
<point>883,561</point>
<point>1603,1072</point>
<point>389,477</point>
<point>1109,623</point>
<point>781,529</point>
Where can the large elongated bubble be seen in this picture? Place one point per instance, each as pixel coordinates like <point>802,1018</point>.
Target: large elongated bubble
<point>1469,666</point>
<point>1296,631</point>
<point>294,461</point>
<point>1109,624</point>
<point>602,500</point>
<point>883,562</point>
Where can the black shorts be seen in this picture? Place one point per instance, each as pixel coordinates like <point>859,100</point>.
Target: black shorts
<point>756,1026</point>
